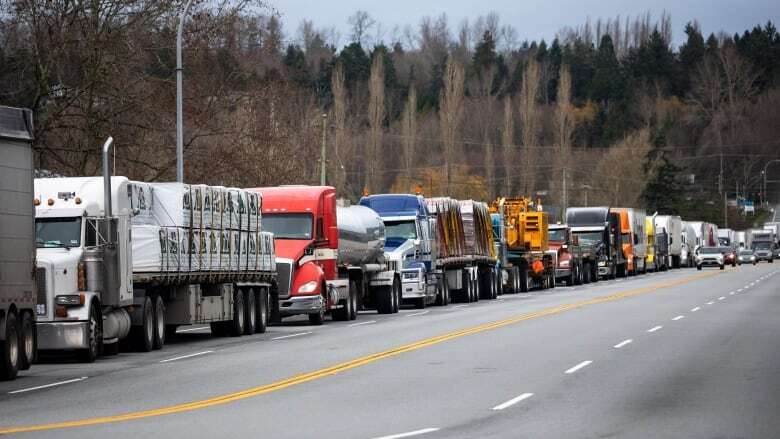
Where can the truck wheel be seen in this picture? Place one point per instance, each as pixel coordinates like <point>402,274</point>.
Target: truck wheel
<point>384,300</point>
<point>317,318</point>
<point>9,349</point>
<point>494,281</point>
<point>586,274</point>
<point>159,323</point>
<point>342,314</point>
<point>577,275</point>
<point>722,267</point>
<point>552,280</point>
<point>524,282</point>
<point>237,325</point>
<point>440,293</point>
<point>26,342</point>
<point>143,336</point>
<point>594,272</point>
<point>95,340</point>
<point>397,295</point>
<point>250,311</point>
<point>476,290</point>
<point>262,312</point>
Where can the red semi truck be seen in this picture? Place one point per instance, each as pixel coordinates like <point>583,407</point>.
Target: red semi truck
<point>329,259</point>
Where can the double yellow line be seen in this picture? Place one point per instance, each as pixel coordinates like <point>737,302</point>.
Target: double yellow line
<point>343,367</point>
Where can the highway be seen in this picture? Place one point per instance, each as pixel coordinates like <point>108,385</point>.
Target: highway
<point>683,353</point>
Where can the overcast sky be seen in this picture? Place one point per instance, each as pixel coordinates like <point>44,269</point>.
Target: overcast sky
<point>533,19</point>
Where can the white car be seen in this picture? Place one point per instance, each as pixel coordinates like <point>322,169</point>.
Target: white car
<point>709,257</point>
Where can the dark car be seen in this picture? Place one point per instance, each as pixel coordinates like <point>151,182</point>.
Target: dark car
<point>729,256</point>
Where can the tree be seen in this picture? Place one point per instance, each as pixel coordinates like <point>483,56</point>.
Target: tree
<point>451,115</point>
<point>530,126</point>
<point>507,143</point>
<point>691,54</point>
<point>357,65</point>
<point>360,23</point>
<point>341,149</point>
<point>606,85</point>
<point>663,192</point>
<point>374,158</point>
<point>409,135</point>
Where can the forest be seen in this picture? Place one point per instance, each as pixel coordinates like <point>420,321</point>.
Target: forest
<point>609,112</point>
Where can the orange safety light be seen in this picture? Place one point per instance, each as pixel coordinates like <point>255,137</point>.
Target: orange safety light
<point>538,267</point>
<point>36,202</point>
<point>50,202</point>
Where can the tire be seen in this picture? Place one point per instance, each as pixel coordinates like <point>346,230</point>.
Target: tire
<point>9,349</point>
<point>262,312</point>
<point>95,340</point>
<point>771,261</point>
<point>342,314</point>
<point>237,325</point>
<point>143,336</point>
<point>354,298</point>
<point>397,295</point>
<point>317,319</point>
<point>476,288</point>
<point>26,342</point>
<point>440,299</point>
<point>577,275</point>
<point>586,274</point>
<point>159,323</point>
<point>496,282</point>
<point>594,272</point>
<point>111,349</point>
<point>447,298</point>
<point>722,267</point>
<point>698,267</point>
<point>384,300</point>
<point>250,312</point>
<point>524,282</point>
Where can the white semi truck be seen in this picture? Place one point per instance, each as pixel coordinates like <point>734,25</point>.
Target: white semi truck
<point>672,225</point>
<point>17,252</point>
<point>118,258</point>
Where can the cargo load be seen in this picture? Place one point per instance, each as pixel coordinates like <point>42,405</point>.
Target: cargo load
<point>450,240</point>
<point>477,228</point>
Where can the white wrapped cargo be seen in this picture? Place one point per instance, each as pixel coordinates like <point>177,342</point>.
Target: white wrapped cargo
<point>174,255</point>
<point>172,206</point>
<point>235,249</point>
<point>140,199</point>
<point>267,252</point>
<point>224,253</point>
<point>217,207</point>
<point>255,206</point>
<point>214,243</point>
<point>243,256</point>
<point>149,249</point>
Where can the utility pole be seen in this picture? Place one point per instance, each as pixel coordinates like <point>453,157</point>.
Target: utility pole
<point>725,211</point>
<point>180,99</point>
<point>720,177</point>
<point>322,151</point>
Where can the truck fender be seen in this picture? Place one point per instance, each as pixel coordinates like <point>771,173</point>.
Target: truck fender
<point>306,273</point>
<point>82,312</point>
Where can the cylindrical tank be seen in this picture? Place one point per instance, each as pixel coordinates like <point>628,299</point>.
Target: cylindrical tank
<point>93,265</point>
<point>361,236</point>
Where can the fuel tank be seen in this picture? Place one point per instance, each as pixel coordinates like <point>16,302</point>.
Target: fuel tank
<point>361,236</point>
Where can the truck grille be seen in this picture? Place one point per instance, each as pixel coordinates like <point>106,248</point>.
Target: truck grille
<point>283,278</point>
<point>40,287</point>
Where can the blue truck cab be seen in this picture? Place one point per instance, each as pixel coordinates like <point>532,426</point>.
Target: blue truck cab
<point>409,243</point>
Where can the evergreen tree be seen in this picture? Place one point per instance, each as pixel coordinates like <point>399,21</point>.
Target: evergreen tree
<point>664,191</point>
<point>554,59</point>
<point>297,69</point>
<point>607,82</point>
<point>357,65</point>
<point>691,54</point>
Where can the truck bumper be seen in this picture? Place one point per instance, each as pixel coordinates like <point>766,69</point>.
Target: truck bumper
<point>61,336</point>
<point>300,305</point>
<point>562,272</point>
<point>413,290</point>
<point>604,269</point>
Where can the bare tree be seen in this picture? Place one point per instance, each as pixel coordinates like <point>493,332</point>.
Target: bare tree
<point>360,23</point>
<point>507,142</point>
<point>339,117</point>
<point>451,115</point>
<point>564,126</point>
<point>409,135</point>
<point>530,125</point>
<point>374,162</point>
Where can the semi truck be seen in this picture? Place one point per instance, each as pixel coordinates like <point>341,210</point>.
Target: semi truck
<point>18,287</point>
<point>599,227</point>
<point>443,247</point>
<point>687,245</point>
<point>528,261</point>
<point>727,238</point>
<point>119,259</point>
<point>762,242</point>
<point>330,259</point>
<point>672,225</point>
<point>632,229</point>
<point>654,259</point>
<point>575,261</point>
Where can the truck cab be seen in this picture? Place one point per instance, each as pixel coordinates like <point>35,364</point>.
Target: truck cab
<point>409,243</point>
<point>599,227</point>
<point>303,221</point>
<point>69,222</point>
<point>568,261</point>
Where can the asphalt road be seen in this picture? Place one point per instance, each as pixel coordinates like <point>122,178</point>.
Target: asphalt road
<point>675,354</point>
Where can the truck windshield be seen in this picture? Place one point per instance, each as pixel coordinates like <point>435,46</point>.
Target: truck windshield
<point>58,232</point>
<point>558,235</point>
<point>398,232</point>
<point>761,246</point>
<point>590,237</point>
<point>288,225</point>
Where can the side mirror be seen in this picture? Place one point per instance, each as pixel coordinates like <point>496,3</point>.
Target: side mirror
<point>575,240</point>
<point>416,242</point>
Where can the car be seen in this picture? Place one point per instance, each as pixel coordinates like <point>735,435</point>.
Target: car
<point>746,257</point>
<point>710,257</point>
<point>729,256</point>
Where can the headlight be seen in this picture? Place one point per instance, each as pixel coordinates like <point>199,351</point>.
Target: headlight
<point>308,287</point>
<point>70,300</point>
<point>602,263</point>
<point>565,263</point>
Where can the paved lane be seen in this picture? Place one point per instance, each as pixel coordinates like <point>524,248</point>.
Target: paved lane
<point>454,385</point>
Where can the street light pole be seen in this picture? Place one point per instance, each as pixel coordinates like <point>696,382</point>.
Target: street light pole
<point>179,99</point>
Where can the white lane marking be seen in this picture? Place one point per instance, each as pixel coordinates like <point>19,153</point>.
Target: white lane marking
<point>731,293</point>
<point>460,306</point>
<point>695,309</point>
<point>654,328</point>
<point>579,366</point>
<point>678,318</point>
<point>409,434</point>
<point>200,328</point>
<point>740,290</point>
<point>418,314</point>
<point>45,386</point>
<point>710,303</point>
<point>363,323</point>
<point>721,298</point>
<point>623,343</point>
<point>291,335</point>
<point>513,401</point>
<point>186,356</point>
